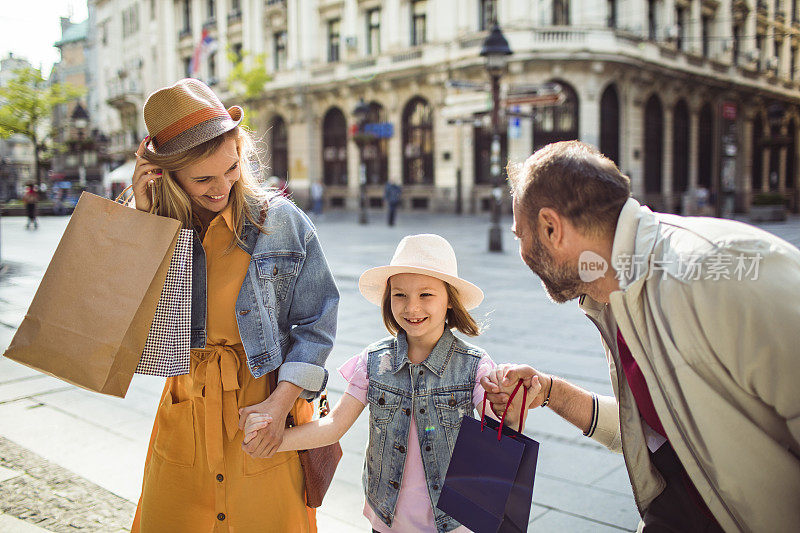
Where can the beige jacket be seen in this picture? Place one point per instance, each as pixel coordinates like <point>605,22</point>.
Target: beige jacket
<point>721,358</point>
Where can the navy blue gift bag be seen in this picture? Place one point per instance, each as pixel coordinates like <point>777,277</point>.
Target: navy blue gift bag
<point>489,483</point>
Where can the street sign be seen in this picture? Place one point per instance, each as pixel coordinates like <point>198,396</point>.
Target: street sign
<point>467,85</point>
<point>535,100</point>
<point>463,104</point>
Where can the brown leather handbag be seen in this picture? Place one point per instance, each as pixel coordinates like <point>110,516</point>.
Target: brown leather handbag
<point>319,464</point>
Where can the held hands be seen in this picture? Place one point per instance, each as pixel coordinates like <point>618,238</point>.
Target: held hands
<point>144,174</point>
<point>263,436</point>
<point>253,423</point>
<point>500,383</point>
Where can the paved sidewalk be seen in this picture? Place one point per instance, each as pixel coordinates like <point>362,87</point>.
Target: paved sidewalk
<point>54,434</point>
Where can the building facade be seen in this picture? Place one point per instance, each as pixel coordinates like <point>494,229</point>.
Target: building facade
<point>698,101</point>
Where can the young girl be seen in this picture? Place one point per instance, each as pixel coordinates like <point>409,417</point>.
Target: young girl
<point>418,384</point>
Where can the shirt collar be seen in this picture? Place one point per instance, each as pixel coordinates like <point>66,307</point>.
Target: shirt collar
<point>436,360</point>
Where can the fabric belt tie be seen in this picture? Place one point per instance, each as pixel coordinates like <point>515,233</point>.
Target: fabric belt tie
<point>217,380</point>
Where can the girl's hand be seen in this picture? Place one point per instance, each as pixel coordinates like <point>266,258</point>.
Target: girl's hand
<point>253,423</point>
<point>143,175</point>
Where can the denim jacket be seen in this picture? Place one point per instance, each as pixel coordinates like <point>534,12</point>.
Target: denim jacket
<point>286,308</point>
<point>439,390</point>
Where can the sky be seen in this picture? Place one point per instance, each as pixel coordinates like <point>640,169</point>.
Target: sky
<point>29,28</point>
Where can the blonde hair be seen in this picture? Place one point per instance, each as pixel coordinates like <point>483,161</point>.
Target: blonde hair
<point>457,316</point>
<point>247,194</point>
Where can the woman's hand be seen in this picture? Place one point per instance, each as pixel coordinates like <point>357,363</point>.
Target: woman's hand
<point>277,406</point>
<point>143,175</point>
<point>254,423</point>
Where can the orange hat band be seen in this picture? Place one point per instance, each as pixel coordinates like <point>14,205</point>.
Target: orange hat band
<point>189,121</point>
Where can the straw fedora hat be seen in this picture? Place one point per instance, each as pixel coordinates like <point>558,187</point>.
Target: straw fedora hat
<point>427,254</point>
<point>185,115</point>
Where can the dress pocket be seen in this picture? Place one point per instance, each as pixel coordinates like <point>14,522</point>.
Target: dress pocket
<point>175,441</point>
<point>254,466</point>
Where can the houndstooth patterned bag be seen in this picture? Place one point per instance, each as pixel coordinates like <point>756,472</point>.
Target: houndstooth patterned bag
<point>166,351</point>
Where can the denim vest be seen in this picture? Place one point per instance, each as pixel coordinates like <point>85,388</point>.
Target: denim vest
<point>439,391</point>
<point>286,309</point>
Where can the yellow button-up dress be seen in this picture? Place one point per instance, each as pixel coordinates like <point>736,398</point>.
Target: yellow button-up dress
<point>197,478</point>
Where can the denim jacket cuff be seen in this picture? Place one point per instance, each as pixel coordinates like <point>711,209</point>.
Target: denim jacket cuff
<point>311,378</point>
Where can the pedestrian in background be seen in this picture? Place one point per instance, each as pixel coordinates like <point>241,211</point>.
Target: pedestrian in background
<point>698,318</point>
<point>392,194</point>
<point>317,194</point>
<point>422,376</point>
<point>30,199</point>
<point>263,301</point>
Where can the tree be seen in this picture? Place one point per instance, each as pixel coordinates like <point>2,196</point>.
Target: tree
<point>27,102</point>
<point>247,83</point>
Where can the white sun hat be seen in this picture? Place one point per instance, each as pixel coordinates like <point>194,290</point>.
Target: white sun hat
<point>426,254</point>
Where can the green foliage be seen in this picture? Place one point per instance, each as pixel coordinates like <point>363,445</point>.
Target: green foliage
<point>247,84</point>
<point>769,198</point>
<point>26,102</point>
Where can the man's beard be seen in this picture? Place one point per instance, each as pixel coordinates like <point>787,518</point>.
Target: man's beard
<point>561,282</point>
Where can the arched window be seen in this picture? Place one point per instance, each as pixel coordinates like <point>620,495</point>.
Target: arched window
<point>375,158</point>
<point>557,123</point>
<point>773,177</point>
<point>418,142</point>
<point>653,145</point>
<point>756,178</point>
<point>609,123</point>
<point>680,147</point>
<point>279,148</point>
<point>705,148</point>
<point>334,147</point>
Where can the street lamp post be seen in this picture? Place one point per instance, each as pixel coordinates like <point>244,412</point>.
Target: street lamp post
<point>360,113</point>
<point>495,51</point>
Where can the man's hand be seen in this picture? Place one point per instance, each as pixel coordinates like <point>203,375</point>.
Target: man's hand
<point>501,382</point>
<point>253,423</point>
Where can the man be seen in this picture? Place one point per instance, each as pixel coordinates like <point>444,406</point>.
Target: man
<point>700,321</point>
<point>392,193</point>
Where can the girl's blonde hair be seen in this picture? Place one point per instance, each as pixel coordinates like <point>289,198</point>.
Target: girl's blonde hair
<point>247,194</point>
<point>457,315</point>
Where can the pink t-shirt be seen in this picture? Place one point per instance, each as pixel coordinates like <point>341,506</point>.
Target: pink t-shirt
<point>413,512</point>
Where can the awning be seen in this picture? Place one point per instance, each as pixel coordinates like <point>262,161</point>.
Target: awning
<point>123,173</point>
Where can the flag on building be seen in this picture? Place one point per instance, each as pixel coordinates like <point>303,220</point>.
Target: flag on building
<point>206,45</point>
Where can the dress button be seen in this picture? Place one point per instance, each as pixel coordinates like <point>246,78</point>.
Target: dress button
<point>422,411</point>
<point>243,312</point>
<point>427,448</point>
<point>436,487</point>
<point>407,412</point>
<point>394,484</point>
<point>221,517</point>
<point>452,402</point>
<point>381,401</point>
<point>421,372</point>
<point>220,477</point>
<point>402,449</point>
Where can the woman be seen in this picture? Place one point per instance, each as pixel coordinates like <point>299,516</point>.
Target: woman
<point>263,300</point>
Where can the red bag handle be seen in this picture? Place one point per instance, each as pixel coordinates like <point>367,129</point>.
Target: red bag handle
<point>503,418</point>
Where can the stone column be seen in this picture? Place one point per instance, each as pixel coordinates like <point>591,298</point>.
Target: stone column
<point>669,203</point>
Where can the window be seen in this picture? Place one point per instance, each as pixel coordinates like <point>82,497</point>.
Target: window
<point>279,148</point>
<point>130,20</point>
<point>759,49</point>
<point>611,13</point>
<point>373,32</point>
<point>560,12</point>
<point>187,16</point>
<point>488,14</point>
<point>374,153</point>
<point>236,6</point>
<point>187,67</point>
<point>418,24</point>
<point>680,22</point>
<point>334,38</point>
<point>237,52</point>
<point>706,29</point>
<point>334,148</point>
<point>211,9</point>
<point>652,19</point>
<point>417,143</point>
<point>212,68</point>
<point>280,50</point>
<point>737,43</point>
<point>793,64</point>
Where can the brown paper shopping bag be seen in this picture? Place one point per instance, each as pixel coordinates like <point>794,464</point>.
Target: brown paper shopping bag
<point>89,319</point>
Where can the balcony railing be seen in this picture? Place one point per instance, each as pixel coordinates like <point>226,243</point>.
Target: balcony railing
<point>123,92</point>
